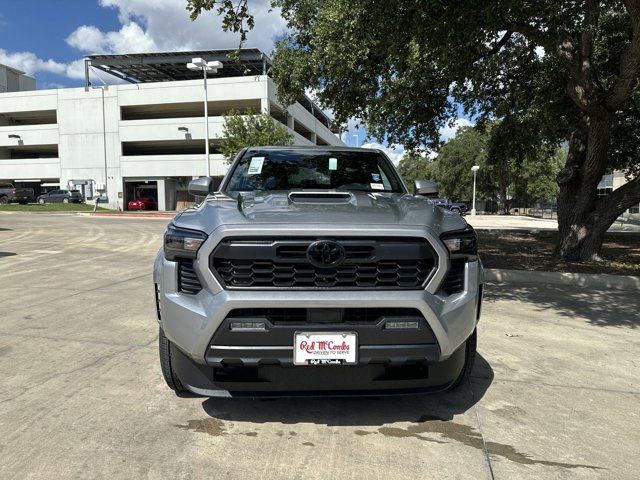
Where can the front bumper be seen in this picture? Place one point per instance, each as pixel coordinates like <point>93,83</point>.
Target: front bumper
<point>190,322</point>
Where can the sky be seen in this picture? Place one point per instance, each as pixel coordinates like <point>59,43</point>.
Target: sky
<point>49,38</point>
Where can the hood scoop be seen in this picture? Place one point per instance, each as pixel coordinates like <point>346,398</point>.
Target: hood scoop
<point>322,197</point>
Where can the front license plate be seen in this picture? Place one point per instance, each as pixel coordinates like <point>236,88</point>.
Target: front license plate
<point>325,348</point>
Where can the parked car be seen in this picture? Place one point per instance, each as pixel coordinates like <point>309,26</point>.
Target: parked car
<point>61,196</point>
<point>9,193</point>
<point>144,203</point>
<point>458,207</point>
<point>313,270</point>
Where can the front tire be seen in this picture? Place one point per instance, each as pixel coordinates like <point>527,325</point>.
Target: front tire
<point>173,382</point>
<point>41,201</point>
<point>456,210</point>
<point>470,354</point>
<point>4,201</point>
<point>65,200</point>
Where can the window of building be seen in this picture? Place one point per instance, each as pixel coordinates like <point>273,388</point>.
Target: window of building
<point>605,186</point>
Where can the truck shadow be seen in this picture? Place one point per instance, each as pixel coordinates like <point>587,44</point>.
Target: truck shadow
<point>355,411</point>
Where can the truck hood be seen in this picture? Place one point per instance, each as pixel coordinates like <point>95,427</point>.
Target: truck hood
<point>317,208</point>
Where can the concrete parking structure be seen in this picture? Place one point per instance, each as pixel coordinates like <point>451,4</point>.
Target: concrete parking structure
<point>144,138</point>
<point>555,392</point>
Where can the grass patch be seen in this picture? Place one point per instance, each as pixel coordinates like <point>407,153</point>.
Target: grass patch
<point>50,207</point>
<point>516,250</point>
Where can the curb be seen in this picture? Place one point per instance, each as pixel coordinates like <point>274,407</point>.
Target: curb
<point>131,215</point>
<point>601,280</point>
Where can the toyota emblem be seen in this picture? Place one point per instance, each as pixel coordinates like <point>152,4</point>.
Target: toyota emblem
<point>325,253</point>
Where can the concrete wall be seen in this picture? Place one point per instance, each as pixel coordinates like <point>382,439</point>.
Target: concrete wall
<point>12,80</point>
<point>89,132</point>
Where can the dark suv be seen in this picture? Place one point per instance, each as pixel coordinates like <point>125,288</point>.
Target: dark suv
<point>61,196</point>
<point>314,270</point>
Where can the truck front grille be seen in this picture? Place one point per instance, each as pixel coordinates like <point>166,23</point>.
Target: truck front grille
<point>282,263</point>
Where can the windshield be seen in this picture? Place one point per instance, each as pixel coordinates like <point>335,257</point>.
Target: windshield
<point>313,170</point>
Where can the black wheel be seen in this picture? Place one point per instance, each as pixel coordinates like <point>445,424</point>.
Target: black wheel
<point>165,363</point>
<point>456,210</point>
<point>65,200</point>
<point>4,201</point>
<point>469,357</point>
<point>41,201</point>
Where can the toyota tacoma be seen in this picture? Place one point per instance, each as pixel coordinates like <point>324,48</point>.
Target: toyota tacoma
<point>313,270</point>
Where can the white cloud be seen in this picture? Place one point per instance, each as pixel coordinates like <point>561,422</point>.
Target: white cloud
<point>164,25</point>
<point>449,131</point>
<point>394,154</point>
<point>151,26</point>
<point>31,64</point>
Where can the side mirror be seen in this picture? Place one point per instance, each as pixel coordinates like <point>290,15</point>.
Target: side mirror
<point>203,186</point>
<point>426,188</point>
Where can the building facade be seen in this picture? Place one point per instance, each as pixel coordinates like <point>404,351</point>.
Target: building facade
<point>145,138</point>
<point>13,80</point>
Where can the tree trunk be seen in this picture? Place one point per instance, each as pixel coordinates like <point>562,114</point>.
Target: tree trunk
<point>579,237</point>
<point>583,217</point>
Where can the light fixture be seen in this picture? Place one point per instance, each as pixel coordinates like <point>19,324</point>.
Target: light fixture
<point>13,135</point>
<point>199,64</point>
<point>401,325</point>
<point>474,169</point>
<point>183,129</point>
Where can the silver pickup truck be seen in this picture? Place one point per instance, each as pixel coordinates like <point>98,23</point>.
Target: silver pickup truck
<point>312,270</point>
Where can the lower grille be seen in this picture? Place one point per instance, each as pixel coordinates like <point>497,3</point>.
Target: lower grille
<point>454,281</point>
<point>283,263</point>
<point>188,281</point>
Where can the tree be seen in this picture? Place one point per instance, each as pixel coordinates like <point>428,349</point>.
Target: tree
<point>454,161</point>
<point>414,167</point>
<point>568,70</point>
<point>536,178</point>
<point>250,130</point>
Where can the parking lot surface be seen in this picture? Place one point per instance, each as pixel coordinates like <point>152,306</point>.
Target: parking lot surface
<point>555,392</point>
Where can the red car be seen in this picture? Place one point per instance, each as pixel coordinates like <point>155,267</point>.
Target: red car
<point>144,203</point>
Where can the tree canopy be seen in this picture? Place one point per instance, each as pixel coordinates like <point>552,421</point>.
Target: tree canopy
<point>250,130</point>
<point>554,72</point>
<point>527,179</point>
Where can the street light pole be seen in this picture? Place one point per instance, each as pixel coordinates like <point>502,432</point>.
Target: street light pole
<point>200,64</point>
<point>206,124</point>
<point>474,169</point>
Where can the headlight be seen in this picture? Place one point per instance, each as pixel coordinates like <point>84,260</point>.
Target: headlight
<point>182,243</point>
<point>461,243</point>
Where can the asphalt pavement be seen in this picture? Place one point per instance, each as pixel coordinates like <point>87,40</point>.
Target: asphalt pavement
<point>555,392</point>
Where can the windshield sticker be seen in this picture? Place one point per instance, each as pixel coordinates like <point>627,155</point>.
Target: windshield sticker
<point>255,167</point>
<point>333,163</point>
<point>377,186</point>
<point>375,177</point>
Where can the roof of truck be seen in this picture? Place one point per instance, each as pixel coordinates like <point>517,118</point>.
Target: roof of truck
<point>331,148</point>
